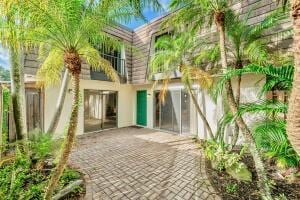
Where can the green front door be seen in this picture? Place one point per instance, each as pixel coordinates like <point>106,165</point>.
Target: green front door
<point>141,108</point>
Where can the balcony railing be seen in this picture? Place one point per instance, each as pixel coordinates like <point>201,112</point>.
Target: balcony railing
<point>117,63</point>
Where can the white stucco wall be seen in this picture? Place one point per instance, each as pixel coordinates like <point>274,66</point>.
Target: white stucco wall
<point>126,103</point>
<point>250,86</point>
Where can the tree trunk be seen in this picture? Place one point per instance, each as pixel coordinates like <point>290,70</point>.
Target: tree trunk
<point>18,93</point>
<point>73,63</point>
<point>203,117</point>
<point>59,103</point>
<point>293,117</point>
<point>237,100</point>
<point>263,182</point>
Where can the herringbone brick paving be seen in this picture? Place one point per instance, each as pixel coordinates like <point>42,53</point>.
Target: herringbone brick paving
<point>138,163</point>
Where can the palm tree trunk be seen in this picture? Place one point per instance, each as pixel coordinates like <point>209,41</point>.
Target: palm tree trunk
<point>73,63</point>
<point>18,93</point>
<point>203,117</point>
<point>59,103</point>
<point>263,182</point>
<point>237,100</point>
<point>293,117</point>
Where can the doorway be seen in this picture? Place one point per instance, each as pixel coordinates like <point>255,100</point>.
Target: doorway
<point>100,110</point>
<point>141,108</point>
<point>174,113</point>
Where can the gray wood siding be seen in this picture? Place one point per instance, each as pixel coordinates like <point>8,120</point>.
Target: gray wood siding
<point>143,35</point>
<point>31,63</point>
<point>137,56</point>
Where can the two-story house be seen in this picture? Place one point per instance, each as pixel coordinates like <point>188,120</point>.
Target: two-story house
<point>108,105</point>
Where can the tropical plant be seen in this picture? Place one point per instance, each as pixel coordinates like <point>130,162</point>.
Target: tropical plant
<point>223,159</point>
<point>65,32</point>
<point>174,53</point>
<point>10,38</point>
<point>4,125</point>
<point>293,116</point>
<point>198,13</point>
<point>245,44</point>
<point>270,129</point>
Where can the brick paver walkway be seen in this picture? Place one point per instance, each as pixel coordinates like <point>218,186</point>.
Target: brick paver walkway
<point>137,163</point>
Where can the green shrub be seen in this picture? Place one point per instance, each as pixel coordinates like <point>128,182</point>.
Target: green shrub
<point>42,145</point>
<point>20,179</point>
<point>6,103</point>
<point>270,135</point>
<point>231,188</point>
<point>223,159</point>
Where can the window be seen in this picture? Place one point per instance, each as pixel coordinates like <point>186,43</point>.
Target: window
<point>117,59</point>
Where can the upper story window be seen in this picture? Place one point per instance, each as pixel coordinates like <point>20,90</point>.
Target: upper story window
<point>117,59</point>
<point>154,48</point>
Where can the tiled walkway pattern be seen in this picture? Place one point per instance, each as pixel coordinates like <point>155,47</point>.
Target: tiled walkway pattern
<point>136,163</point>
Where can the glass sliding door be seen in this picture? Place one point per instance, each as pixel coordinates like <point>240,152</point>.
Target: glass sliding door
<point>110,109</point>
<point>174,113</point>
<point>170,112</point>
<point>100,110</point>
<point>185,112</point>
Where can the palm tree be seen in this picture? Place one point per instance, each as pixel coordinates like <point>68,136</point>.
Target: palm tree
<point>198,13</point>
<point>293,116</point>
<point>245,44</point>
<point>66,31</point>
<point>10,38</point>
<point>173,54</point>
<point>270,131</point>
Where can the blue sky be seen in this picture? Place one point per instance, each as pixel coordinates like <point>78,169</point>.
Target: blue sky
<point>149,14</point>
<point>3,57</point>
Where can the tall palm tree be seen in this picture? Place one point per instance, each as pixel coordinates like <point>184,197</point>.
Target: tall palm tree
<point>10,38</point>
<point>198,13</point>
<point>174,53</point>
<point>293,116</point>
<point>66,31</point>
<point>245,44</point>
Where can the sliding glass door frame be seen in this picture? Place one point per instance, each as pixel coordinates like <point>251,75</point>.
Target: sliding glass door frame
<point>102,105</point>
<point>156,92</point>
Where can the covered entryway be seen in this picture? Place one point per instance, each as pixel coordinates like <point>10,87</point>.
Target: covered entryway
<point>141,108</point>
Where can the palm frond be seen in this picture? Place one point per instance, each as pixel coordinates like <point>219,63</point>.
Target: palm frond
<point>93,58</point>
<point>282,75</point>
<point>264,106</point>
<point>50,71</point>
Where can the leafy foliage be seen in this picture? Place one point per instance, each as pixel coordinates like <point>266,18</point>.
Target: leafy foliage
<point>4,74</point>
<point>23,178</point>
<point>5,111</point>
<point>223,159</point>
<point>269,131</point>
<point>42,145</point>
<point>176,52</point>
<point>271,136</point>
<point>281,77</point>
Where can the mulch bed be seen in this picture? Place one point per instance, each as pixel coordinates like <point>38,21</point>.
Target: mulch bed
<point>248,190</point>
